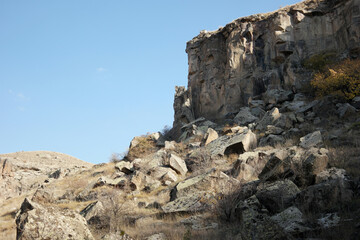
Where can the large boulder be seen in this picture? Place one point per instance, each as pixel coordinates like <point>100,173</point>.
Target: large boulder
<point>245,117</point>
<point>277,196</point>
<point>237,143</point>
<point>313,139</point>
<point>255,222</point>
<point>291,220</point>
<point>35,221</point>
<point>325,196</point>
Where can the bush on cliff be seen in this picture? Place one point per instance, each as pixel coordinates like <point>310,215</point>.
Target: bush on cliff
<point>341,80</point>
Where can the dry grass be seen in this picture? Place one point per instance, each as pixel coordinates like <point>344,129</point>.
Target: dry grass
<point>346,157</point>
<point>146,145</point>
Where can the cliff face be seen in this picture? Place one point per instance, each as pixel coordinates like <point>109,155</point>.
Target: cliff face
<point>265,51</point>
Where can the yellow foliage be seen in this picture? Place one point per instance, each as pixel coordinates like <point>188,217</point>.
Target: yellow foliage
<point>341,79</point>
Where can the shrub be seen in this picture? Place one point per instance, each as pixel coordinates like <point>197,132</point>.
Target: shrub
<point>318,62</point>
<point>341,80</point>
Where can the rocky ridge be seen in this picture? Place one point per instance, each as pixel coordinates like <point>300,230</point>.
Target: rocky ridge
<point>253,54</point>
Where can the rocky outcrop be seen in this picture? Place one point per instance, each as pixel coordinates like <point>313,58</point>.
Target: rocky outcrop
<point>230,66</point>
<point>35,221</point>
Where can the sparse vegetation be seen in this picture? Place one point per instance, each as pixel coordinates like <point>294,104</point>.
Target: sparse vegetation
<point>341,80</point>
<point>145,146</point>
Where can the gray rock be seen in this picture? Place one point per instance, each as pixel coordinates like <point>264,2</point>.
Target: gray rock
<point>271,140</point>
<point>311,140</point>
<point>35,221</point>
<point>244,117</point>
<point>268,119</point>
<point>277,196</point>
<point>345,110</point>
<point>237,143</point>
<point>356,102</point>
<point>291,220</point>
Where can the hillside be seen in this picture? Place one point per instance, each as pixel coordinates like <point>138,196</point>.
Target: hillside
<point>265,145</point>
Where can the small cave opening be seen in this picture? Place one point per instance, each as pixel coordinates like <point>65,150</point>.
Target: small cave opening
<point>236,148</point>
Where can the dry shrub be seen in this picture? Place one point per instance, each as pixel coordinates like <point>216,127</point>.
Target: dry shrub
<point>227,202</point>
<point>346,157</point>
<point>318,62</point>
<point>341,80</point>
<point>146,145</point>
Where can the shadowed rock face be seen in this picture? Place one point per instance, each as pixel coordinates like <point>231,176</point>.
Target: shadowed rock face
<point>265,51</point>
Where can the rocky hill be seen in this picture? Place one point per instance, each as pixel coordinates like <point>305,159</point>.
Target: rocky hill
<point>253,154</point>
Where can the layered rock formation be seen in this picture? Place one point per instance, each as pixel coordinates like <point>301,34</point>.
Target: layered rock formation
<point>252,54</point>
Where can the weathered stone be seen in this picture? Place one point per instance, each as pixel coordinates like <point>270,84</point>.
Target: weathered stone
<point>331,174</point>
<point>271,140</point>
<point>270,129</point>
<point>35,221</point>
<point>195,202</point>
<point>95,214</point>
<point>291,220</point>
<point>244,117</point>
<point>178,164</point>
<point>277,196</point>
<point>170,145</point>
<point>254,221</point>
<point>345,110</point>
<point>311,140</point>
<point>125,167</point>
<point>315,163</point>
<point>237,143</point>
<point>211,136</point>
<point>325,196</point>
<point>159,172</point>
<point>277,96</point>
<point>356,102</point>
<point>268,119</point>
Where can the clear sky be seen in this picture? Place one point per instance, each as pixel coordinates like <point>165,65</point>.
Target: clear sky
<point>85,77</point>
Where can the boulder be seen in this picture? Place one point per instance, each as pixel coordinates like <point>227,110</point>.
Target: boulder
<point>159,172</point>
<point>211,136</point>
<point>249,165</point>
<point>271,140</point>
<point>345,110</point>
<point>356,102</point>
<point>315,163</point>
<point>291,220</point>
<point>125,167</point>
<point>277,196</point>
<point>170,145</point>
<point>311,140</point>
<point>331,174</point>
<point>269,118</point>
<point>35,221</point>
<point>254,221</point>
<point>325,196</point>
<point>277,96</point>
<point>244,117</point>
<point>270,129</point>
<point>237,143</point>
<point>191,203</point>
<point>95,215</point>
<point>178,164</point>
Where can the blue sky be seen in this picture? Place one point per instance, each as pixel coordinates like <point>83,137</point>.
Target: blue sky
<point>84,77</point>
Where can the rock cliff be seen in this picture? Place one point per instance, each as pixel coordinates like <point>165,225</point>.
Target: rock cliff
<point>253,54</point>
